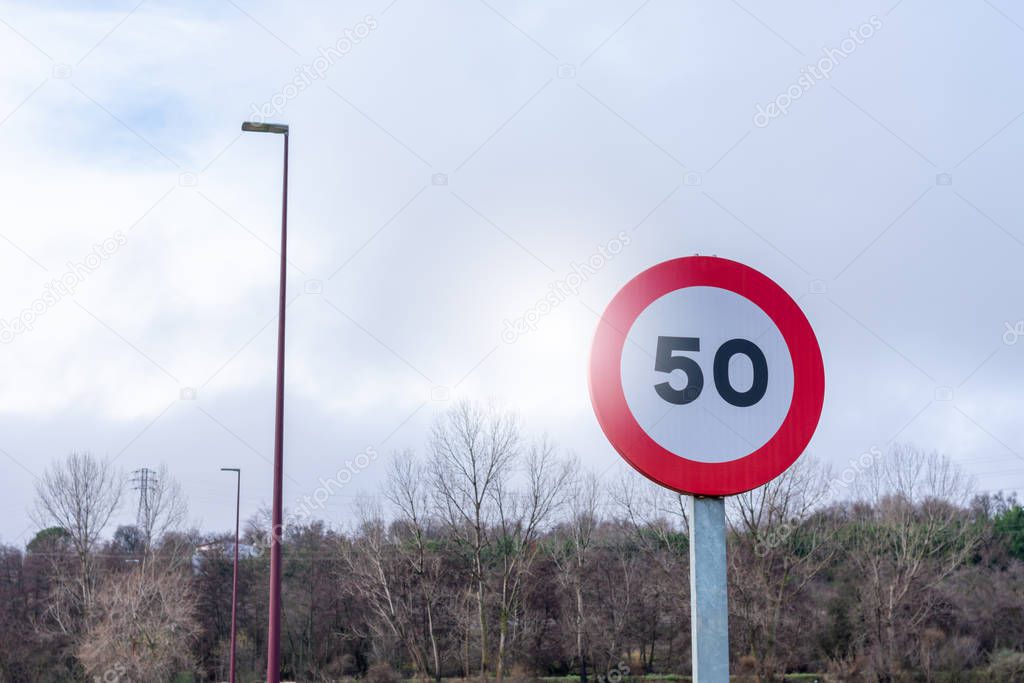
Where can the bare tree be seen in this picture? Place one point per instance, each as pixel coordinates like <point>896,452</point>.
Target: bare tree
<point>373,576</point>
<point>408,492</point>
<point>472,452</point>
<point>912,533</point>
<point>79,494</point>
<point>655,513</point>
<point>584,516</point>
<point>659,525</point>
<point>778,547</point>
<point>521,517</point>
<point>142,627</point>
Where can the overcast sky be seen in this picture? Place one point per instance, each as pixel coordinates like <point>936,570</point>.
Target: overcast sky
<point>449,161</point>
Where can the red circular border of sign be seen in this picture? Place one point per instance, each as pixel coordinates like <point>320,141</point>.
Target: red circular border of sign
<point>649,457</point>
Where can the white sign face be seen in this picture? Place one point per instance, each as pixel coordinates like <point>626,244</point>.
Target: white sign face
<point>707,374</point>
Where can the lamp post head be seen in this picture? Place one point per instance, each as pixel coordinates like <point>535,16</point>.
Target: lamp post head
<point>253,127</point>
<point>230,469</point>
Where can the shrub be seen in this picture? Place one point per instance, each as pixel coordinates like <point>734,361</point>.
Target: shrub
<point>381,672</point>
<point>1006,665</point>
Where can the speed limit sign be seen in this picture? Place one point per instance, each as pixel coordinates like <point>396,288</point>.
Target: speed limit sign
<point>706,376</point>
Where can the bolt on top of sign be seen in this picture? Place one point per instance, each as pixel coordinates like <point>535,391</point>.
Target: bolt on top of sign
<point>706,376</point>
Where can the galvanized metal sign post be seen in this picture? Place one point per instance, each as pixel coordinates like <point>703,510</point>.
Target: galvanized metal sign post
<point>707,378</point>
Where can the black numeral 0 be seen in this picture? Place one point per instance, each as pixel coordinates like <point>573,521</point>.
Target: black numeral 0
<point>664,361</point>
<point>760,384</point>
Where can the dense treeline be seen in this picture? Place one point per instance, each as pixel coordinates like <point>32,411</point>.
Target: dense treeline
<point>497,555</point>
